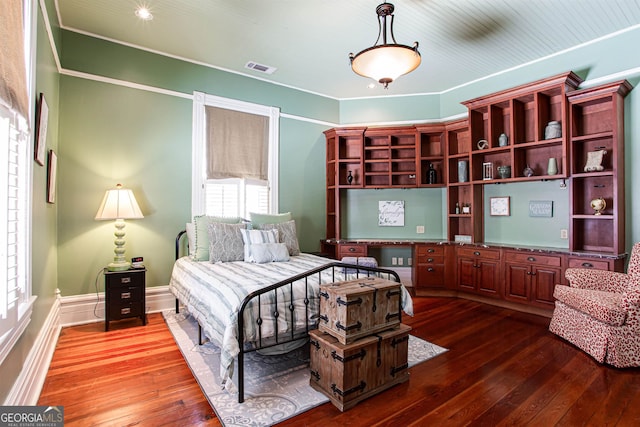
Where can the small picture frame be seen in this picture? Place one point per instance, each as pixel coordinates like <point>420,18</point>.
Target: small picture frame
<point>487,171</point>
<point>52,169</point>
<point>466,209</point>
<point>42,121</point>
<point>499,206</point>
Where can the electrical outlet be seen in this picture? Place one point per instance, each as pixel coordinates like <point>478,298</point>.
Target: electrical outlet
<point>394,261</point>
<point>409,261</point>
<point>420,229</point>
<point>564,234</point>
<point>400,261</point>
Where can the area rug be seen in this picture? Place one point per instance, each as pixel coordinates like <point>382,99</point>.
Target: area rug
<point>276,387</point>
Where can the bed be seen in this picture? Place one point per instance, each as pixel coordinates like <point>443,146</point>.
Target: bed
<point>270,307</point>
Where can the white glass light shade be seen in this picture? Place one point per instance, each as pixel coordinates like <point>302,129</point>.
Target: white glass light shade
<point>385,63</point>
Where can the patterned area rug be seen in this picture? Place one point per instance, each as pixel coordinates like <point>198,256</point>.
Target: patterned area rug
<point>276,387</point>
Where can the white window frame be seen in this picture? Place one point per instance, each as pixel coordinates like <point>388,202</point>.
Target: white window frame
<point>21,313</point>
<point>198,151</point>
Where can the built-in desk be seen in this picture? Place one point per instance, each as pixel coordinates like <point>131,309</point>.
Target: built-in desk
<point>518,277</point>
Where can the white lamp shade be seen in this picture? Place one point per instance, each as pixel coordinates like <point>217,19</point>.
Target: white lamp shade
<point>386,62</point>
<point>119,204</point>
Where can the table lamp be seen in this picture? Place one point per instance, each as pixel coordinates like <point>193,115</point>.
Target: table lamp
<point>119,204</point>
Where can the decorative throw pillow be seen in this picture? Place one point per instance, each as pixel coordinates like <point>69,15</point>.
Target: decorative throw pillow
<point>191,238</point>
<point>251,237</point>
<point>261,253</point>
<point>201,247</point>
<point>257,219</point>
<point>225,242</point>
<point>288,235</point>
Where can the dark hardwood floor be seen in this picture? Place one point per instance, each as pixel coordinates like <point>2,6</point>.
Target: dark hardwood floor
<point>503,368</point>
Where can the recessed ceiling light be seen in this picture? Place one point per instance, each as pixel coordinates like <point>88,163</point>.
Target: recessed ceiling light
<point>144,13</point>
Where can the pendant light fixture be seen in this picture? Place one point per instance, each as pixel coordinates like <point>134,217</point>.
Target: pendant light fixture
<point>385,62</point>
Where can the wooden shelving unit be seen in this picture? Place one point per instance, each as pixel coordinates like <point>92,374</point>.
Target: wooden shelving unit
<point>597,123</point>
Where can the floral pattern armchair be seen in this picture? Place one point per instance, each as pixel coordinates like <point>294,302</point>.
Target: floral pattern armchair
<point>599,312</point>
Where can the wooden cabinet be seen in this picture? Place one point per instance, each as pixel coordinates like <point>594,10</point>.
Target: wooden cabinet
<point>429,269</point>
<point>343,170</point>
<point>521,114</point>
<point>351,250</point>
<point>479,271</point>
<point>531,277</point>
<point>597,130</point>
<point>430,143</point>
<point>124,295</point>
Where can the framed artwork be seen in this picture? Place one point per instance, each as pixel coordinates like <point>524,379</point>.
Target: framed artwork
<point>499,206</point>
<point>51,177</point>
<point>42,120</point>
<point>391,213</point>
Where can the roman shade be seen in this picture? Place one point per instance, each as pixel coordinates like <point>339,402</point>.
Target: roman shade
<point>237,144</point>
<point>13,75</point>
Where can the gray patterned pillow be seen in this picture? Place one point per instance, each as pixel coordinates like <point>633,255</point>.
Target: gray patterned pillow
<point>225,242</point>
<point>288,235</point>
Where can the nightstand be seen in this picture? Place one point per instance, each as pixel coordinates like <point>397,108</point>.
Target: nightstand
<point>124,295</point>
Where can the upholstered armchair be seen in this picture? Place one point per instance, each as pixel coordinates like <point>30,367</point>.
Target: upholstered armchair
<point>599,312</point>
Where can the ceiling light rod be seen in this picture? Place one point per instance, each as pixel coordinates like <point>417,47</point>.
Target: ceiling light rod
<point>387,61</point>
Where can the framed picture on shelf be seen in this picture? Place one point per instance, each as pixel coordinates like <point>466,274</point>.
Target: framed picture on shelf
<point>499,206</point>
<point>42,120</point>
<point>51,177</point>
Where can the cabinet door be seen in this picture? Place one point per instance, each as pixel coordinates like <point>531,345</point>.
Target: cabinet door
<point>517,282</point>
<point>466,274</point>
<point>488,277</point>
<point>544,282</point>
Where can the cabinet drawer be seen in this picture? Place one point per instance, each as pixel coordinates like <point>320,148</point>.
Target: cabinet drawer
<point>534,258</point>
<point>430,259</point>
<point>125,280</point>
<point>121,311</point>
<point>599,264</point>
<point>124,294</point>
<point>430,251</point>
<point>351,250</point>
<point>479,253</point>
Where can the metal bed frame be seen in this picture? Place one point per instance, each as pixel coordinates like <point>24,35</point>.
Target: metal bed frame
<point>277,339</point>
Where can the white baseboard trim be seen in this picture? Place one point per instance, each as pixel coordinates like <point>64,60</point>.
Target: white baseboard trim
<point>26,390</point>
<point>89,308</point>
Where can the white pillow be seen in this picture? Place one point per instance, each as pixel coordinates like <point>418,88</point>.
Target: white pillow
<point>268,252</point>
<point>251,237</point>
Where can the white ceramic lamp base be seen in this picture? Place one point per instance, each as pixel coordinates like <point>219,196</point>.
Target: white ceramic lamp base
<point>119,262</point>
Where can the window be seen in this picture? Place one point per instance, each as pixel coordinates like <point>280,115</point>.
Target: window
<point>232,195</point>
<point>15,184</point>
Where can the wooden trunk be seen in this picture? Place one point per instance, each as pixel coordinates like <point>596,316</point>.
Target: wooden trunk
<point>350,373</point>
<point>357,308</point>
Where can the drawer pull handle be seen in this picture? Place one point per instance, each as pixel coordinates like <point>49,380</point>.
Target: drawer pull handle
<point>431,250</point>
<point>125,295</point>
<point>429,259</point>
<point>587,265</point>
<point>476,253</point>
<point>125,280</point>
<point>531,259</point>
<point>430,269</point>
<point>352,249</point>
<point>126,310</point>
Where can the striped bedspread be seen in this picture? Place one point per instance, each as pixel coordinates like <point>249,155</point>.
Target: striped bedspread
<point>213,293</point>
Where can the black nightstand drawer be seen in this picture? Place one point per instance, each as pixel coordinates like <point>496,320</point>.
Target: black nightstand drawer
<point>124,295</point>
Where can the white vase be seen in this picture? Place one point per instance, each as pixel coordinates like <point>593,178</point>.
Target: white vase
<point>552,169</point>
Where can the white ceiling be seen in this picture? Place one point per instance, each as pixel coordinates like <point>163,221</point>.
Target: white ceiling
<point>309,41</point>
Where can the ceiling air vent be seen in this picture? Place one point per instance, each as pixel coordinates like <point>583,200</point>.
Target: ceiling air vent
<point>260,67</point>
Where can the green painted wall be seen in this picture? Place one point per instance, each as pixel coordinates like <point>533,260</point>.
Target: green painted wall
<point>112,134</point>
<point>44,267</point>
<point>422,206</point>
